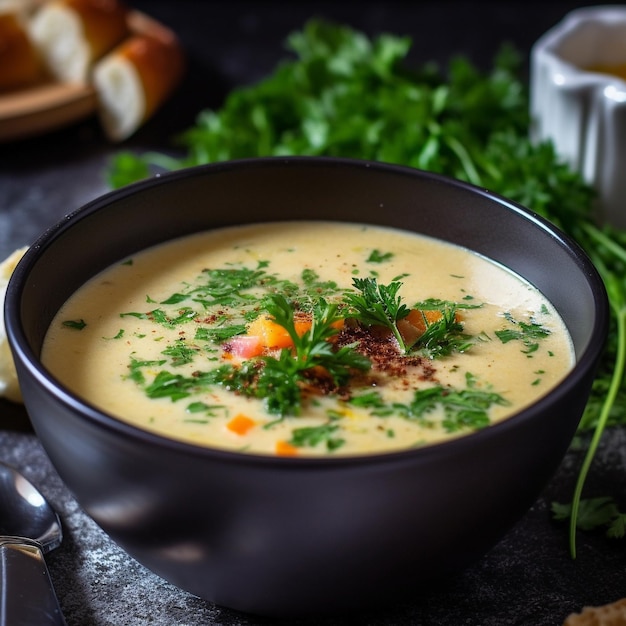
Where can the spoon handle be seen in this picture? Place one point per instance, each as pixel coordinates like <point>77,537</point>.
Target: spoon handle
<point>27,597</point>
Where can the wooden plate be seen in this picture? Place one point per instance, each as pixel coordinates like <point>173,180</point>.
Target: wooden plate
<point>49,106</point>
<point>45,107</point>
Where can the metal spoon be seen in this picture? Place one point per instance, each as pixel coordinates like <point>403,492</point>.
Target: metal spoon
<point>29,528</point>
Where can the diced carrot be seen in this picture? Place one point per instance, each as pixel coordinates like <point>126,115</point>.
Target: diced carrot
<point>422,318</point>
<point>414,325</point>
<point>284,448</point>
<point>273,335</point>
<point>339,324</point>
<point>264,333</point>
<point>302,325</point>
<point>240,424</point>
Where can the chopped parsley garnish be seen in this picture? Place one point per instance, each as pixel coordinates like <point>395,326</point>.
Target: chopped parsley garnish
<point>314,287</point>
<point>75,324</point>
<point>168,385</point>
<point>378,305</point>
<point>376,256</point>
<point>436,304</point>
<point>220,333</point>
<point>463,408</point>
<point>208,409</point>
<point>312,436</point>
<point>136,369</point>
<point>314,359</point>
<point>183,315</point>
<point>180,353</point>
<point>529,333</point>
<point>279,380</point>
<point>175,298</point>
<point>444,336</point>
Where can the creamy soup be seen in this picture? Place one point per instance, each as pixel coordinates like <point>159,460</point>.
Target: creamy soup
<point>308,338</point>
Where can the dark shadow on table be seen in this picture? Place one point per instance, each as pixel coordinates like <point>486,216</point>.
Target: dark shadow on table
<point>13,417</point>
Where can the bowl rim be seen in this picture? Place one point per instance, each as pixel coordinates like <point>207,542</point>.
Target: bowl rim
<point>21,350</point>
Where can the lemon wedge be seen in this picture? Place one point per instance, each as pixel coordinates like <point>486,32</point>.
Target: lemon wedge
<point>9,386</point>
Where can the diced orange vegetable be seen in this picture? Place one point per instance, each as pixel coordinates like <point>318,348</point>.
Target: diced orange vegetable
<point>265,334</point>
<point>302,325</point>
<point>284,448</point>
<point>415,323</point>
<point>421,319</point>
<point>246,346</point>
<point>240,424</point>
<point>338,324</point>
<point>273,336</point>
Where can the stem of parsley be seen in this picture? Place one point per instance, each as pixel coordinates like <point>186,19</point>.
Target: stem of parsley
<point>378,305</point>
<point>617,300</point>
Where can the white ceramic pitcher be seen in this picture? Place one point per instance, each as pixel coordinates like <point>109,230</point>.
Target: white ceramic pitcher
<point>584,112</point>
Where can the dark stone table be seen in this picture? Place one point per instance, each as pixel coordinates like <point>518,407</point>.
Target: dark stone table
<point>528,579</point>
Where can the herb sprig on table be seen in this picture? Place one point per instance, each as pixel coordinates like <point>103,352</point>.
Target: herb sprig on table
<point>343,94</point>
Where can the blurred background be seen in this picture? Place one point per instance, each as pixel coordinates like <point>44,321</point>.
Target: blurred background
<point>229,44</point>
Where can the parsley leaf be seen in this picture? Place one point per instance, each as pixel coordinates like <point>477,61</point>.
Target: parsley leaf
<point>444,336</point>
<point>378,305</point>
<point>75,324</point>
<point>376,256</point>
<point>180,353</point>
<point>463,408</point>
<point>278,380</point>
<point>594,514</point>
<point>436,304</point>
<point>312,436</point>
<point>529,333</point>
<point>313,347</point>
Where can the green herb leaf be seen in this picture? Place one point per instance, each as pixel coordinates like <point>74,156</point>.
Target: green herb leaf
<point>75,324</point>
<point>180,353</point>
<point>594,514</point>
<point>443,336</point>
<point>312,436</point>
<point>378,305</point>
<point>464,409</point>
<point>529,333</point>
<point>437,304</point>
<point>376,256</point>
<point>220,333</point>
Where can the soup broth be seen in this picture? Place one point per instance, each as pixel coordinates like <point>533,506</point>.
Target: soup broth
<point>308,338</point>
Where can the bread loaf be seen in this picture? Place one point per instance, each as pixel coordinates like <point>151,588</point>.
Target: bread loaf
<point>20,63</point>
<point>135,79</point>
<point>71,35</point>
<point>128,61</point>
<point>613,614</point>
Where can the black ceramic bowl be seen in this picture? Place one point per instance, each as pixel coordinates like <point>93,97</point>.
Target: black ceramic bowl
<point>284,536</point>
